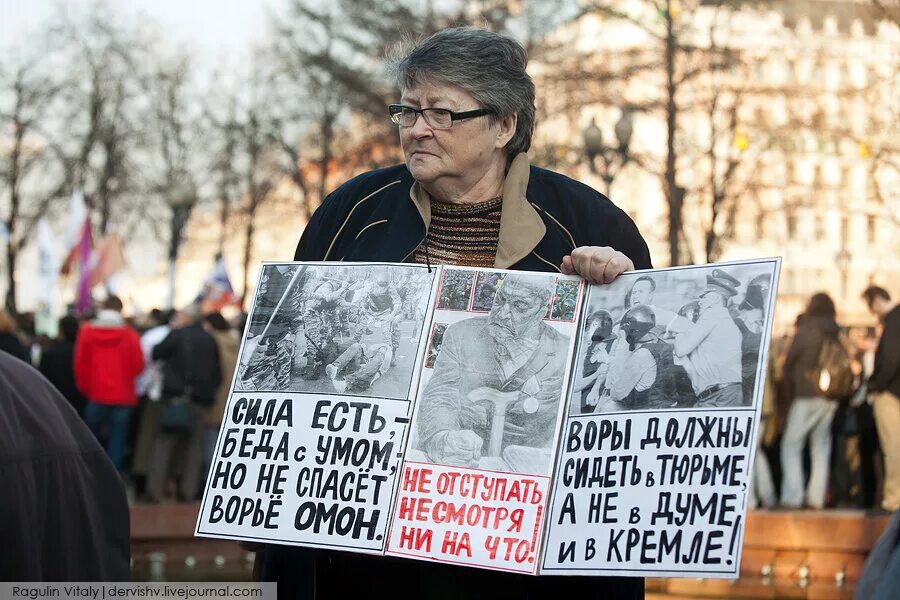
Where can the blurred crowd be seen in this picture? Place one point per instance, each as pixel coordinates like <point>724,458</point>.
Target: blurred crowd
<point>830,431</point>
<point>152,389</point>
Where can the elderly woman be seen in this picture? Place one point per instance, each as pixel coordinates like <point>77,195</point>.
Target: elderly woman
<point>466,195</point>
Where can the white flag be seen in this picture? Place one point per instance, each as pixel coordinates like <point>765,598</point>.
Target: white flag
<point>48,274</point>
<point>77,213</point>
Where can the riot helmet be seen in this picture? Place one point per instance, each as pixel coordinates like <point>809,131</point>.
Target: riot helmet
<point>757,293</point>
<point>636,323</point>
<point>604,324</point>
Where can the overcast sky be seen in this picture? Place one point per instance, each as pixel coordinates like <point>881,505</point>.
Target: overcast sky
<point>215,32</point>
<point>211,27</point>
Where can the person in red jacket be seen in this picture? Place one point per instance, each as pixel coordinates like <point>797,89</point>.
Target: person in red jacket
<point>108,358</point>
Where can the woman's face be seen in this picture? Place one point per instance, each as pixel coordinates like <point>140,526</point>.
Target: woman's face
<point>465,151</point>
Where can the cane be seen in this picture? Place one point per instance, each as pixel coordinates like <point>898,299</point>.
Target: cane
<point>499,402</point>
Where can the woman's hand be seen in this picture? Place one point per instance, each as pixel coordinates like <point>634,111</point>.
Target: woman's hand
<point>597,264</point>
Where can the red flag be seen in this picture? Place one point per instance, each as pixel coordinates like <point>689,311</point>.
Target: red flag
<point>78,210</point>
<point>110,259</point>
<point>70,262</point>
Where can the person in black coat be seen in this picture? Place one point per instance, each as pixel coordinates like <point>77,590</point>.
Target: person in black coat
<point>58,363</point>
<point>884,389</point>
<point>191,375</point>
<point>9,341</point>
<point>191,359</point>
<point>63,510</point>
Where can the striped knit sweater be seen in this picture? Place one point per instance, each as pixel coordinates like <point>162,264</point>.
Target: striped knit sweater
<point>462,234</point>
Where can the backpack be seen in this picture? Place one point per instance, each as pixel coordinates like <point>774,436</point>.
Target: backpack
<point>835,377</point>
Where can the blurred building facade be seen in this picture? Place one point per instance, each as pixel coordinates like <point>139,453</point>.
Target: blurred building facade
<point>788,111</point>
<point>801,147</point>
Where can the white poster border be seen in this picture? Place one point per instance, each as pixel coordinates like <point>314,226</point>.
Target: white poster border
<point>755,409</point>
<point>418,361</point>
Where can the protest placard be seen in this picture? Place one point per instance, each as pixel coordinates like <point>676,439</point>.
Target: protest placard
<point>315,425</point>
<point>558,428</point>
<point>475,480</point>
<point>655,458</point>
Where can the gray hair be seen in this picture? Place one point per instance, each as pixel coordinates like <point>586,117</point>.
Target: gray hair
<point>490,66</point>
<point>539,286</point>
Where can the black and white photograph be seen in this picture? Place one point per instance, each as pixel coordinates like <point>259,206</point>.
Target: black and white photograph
<point>329,329</point>
<point>672,339</point>
<point>493,398</point>
<point>456,290</point>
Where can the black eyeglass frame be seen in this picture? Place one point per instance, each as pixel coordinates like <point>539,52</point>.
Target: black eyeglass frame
<point>394,110</point>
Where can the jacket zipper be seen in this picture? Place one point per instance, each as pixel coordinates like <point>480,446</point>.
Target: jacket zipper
<point>414,248</point>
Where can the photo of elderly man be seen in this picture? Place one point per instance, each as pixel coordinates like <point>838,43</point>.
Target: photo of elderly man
<point>493,400</point>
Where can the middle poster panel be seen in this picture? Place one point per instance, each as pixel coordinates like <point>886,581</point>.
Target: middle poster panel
<point>475,480</point>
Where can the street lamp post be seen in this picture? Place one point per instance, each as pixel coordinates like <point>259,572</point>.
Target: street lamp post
<point>842,260</point>
<point>612,158</point>
<point>181,200</point>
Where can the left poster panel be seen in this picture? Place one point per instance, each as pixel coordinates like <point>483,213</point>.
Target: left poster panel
<point>320,404</point>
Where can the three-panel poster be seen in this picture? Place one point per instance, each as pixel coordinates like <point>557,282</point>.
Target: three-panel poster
<point>524,422</point>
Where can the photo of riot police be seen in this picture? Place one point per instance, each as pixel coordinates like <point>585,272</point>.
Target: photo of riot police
<point>565,301</point>
<point>455,290</point>
<point>350,330</point>
<point>681,338</point>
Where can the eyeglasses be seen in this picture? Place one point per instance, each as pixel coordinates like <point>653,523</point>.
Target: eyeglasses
<point>437,118</point>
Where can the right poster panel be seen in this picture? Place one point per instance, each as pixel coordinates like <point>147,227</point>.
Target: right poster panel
<point>655,456</point>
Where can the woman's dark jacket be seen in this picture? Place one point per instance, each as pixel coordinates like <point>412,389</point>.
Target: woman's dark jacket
<point>801,366</point>
<point>382,216</point>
